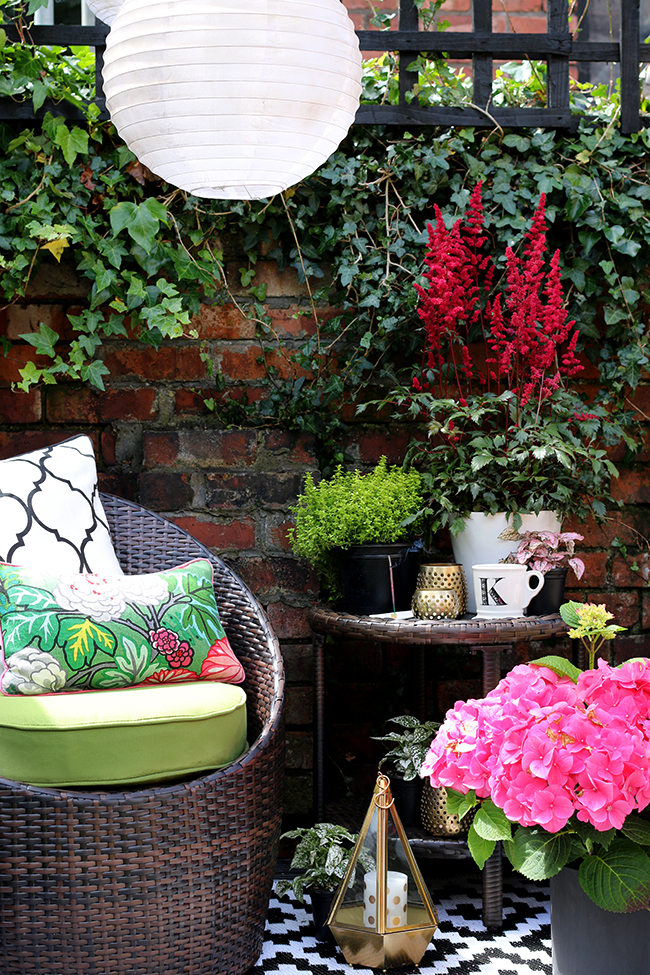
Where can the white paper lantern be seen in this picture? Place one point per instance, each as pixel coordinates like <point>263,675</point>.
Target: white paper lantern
<point>106,10</point>
<point>232,99</point>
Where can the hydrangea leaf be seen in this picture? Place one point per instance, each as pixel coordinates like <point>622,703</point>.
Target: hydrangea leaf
<point>537,854</point>
<point>618,880</point>
<point>491,823</point>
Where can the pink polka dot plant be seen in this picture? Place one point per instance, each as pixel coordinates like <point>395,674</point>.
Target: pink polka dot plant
<point>558,760</point>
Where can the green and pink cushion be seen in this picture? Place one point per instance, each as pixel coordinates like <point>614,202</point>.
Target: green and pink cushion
<point>121,737</point>
<point>91,632</point>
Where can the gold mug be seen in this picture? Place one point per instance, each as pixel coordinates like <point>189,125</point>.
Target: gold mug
<point>432,575</point>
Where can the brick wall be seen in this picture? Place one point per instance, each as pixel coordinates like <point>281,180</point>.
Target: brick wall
<point>159,444</point>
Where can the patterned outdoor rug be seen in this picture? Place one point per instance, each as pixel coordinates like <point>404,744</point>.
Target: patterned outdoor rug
<point>460,945</point>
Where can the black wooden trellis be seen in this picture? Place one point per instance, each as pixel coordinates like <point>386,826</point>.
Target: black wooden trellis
<point>482,46</point>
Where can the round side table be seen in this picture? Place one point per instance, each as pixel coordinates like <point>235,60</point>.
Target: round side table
<point>489,637</point>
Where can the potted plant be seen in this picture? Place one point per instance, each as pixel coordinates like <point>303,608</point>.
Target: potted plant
<point>321,858</point>
<point>512,444</point>
<point>357,530</point>
<point>556,762</point>
<point>553,554</point>
<point>404,761</point>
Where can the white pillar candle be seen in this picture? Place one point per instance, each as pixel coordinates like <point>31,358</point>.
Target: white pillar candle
<point>396,899</point>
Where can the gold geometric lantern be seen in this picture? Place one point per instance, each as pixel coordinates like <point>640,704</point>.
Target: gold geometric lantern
<point>382,915</point>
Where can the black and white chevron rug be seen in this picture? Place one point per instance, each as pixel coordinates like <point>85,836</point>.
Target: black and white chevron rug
<point>460,945</point>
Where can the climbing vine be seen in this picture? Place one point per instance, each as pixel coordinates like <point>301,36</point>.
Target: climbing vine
<point>355,231</point>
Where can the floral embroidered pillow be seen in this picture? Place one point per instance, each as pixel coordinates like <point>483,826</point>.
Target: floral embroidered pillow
<point>86,632</point>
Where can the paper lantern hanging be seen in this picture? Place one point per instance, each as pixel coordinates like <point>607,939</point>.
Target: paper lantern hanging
<point>232,100</point>
<point>105,10</point>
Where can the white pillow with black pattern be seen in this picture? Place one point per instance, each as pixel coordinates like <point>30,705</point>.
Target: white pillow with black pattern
<point>50,511</point>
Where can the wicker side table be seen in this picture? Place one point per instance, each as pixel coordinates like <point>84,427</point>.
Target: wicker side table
<point>489,637</point>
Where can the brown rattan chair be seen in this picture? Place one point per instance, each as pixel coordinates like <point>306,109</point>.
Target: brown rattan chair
<point>172,879</point>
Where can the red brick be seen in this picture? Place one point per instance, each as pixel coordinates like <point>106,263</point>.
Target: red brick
<point>23,319</point>
<point>160,449</point>
<point>289,622</point>
<point>627,646</point>
<point>52,280</point>
<point>191,402</point>
<point>645,610</point>
<point>299,661</point>
<point>246,362</point>
<point>86,405</point>
<point>300,705</point>
<point>200,449</point>
<point>223,322</point>
<point>176,362</point>
<point>276,534</point>
<point>372,444</point>
<point>625,607</point>
<point>14,444</point>
<point>299,750</point>
<point>624,575</point>
<point>298,447</point>
<point>19,407</point>
<point>632,486</point>
<point>239,489</point>
<point>279,284</point>
<point>290,575</point>
<point>122,484</point>
<point>222,536</point>
<point>296,321</point>
<point>108,443</point>
<point>166,492</point>
<point>595,573</point>
<point>601,535</point>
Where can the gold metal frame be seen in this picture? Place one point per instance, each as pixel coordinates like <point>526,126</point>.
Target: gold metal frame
<point>379,947</point>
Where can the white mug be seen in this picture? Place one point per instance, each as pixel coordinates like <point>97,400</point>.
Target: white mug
<point>503,591</point>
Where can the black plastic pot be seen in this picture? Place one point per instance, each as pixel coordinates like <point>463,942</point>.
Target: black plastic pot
<point>321,902</point>
<point>590,941</point>
<point>366,577</point>
<point>407,795</point>
<point>551,596</point>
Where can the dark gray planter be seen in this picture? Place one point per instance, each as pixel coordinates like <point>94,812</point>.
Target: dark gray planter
<point>407,794</point>
<point>548,600</point>
<point>590,941</point>
<point>366,577</point>
<point>321,903</point>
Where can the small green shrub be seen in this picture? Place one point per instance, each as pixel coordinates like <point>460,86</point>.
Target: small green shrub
<point>353,508</point>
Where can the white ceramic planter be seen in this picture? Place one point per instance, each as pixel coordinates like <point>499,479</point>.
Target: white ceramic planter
<point>489,538</point>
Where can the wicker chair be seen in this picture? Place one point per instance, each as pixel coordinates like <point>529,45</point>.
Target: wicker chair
<point>174,879</point>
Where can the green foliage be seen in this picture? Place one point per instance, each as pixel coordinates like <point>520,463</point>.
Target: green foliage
<point>355,231</point>
<point>322,855</point>
<point>352,508</point>
<point>409,746</point>
<point>477,466</point>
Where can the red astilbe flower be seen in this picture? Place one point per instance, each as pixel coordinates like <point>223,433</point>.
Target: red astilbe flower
<point>457,274</point>
<point>530,343</point>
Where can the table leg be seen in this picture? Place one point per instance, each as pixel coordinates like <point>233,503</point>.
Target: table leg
<point>420,689</point>
<point>493,890</point>
<point>318,641</point>
<point>493,870</point>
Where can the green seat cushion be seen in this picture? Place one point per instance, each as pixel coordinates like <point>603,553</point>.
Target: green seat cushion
<point>122,736</point>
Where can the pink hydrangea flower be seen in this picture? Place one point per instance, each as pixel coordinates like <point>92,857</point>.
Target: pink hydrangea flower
<point>543,747</point>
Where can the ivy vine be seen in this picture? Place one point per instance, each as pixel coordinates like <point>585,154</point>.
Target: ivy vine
<point>355,231</point>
